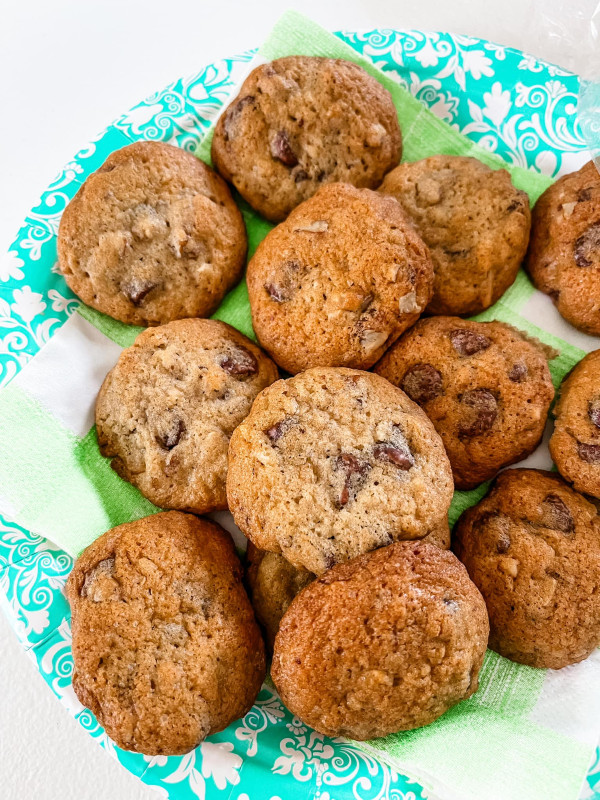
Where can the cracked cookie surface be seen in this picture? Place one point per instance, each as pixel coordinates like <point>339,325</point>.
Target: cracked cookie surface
<point>532,547</point>
<point>166,410</point>
<point>333,463</point>
<point>485,386</point>
<point>165,645</point>
<point>300,122</point>
<point>564,251</point>
<point>475,223</point>
<point>153,235</point>
<point>338,281</point>
<point>387,642</point>
<point>575,442</point>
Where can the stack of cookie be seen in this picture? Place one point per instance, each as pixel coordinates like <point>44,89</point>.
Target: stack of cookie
<point>340,478</point>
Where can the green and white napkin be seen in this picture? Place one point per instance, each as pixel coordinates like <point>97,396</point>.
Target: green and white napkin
<point>527,734</point>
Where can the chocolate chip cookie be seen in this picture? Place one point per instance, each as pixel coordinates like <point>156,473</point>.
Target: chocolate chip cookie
<point>475,223</point>
<point>564,252</point>
<point>387,642</point>
<point>273,582</point>
<point>338,281</point>
<point>333,463</point>
<point>166,410</point>
<point>152,236</point>
<point>165,645</point>
<point>532,547</point>
<point>575,443</point>
<point>300,122</point>
<point>485,386</point>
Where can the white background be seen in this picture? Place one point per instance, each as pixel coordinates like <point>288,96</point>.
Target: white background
<point>67,68</point>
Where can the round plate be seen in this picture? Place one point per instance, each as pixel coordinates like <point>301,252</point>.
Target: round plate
<point>509,102</point>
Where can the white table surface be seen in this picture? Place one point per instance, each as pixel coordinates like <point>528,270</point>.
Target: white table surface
<point>67,68</point>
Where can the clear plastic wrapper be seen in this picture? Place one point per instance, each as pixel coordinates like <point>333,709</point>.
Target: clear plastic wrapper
<point>569,35</point>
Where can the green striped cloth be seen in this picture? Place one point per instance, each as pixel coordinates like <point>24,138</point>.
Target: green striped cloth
<point>527,734</point>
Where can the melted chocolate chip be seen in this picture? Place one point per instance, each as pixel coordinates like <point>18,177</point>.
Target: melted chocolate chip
<point>480,410</point>
<point>277,293</point>
<point>513,205</point>
<point>240,363</point>
<point>281,149</point>
<point>590,453</point>
<point>467,343</point>
<point>275,432</point>
<point>556,514</point>
<point>518,372</point>
<point>172,436</point>
<point>587,247</point>
<point>503,542</point>
<point>233,113</point>
<point>137,289</point>
<point>355,471</point>
<point>401,457</point>
<point>594,411</point>
<point>422,383</point>
<point>584,194</point>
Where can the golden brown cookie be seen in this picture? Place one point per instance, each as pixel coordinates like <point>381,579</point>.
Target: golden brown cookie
<point>273,582</point>
<point>564,252</point>
<point>532,547</point>
<point>300,122</point>
<point>152,236</point>
<point>385,643</point>
<point>475,223</point>
<point>338,281</point>
<point>485,386</point>
<point>575,443</point>
<point>333,463</point>
<point>166,410</point>
<point>165,645</point>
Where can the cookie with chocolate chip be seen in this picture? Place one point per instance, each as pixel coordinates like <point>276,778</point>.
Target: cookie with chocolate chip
<point>300,122</point>
<point>166,648</point>
<point>338,281</point>
<point>564,252</point>
<point>333,463</point>
<point>152,236</point>
<point>475,223</point>
<point>532,547</point>
<point>273,582</point>
<point>485,386</point>
<point>387,642</point>
<point>166,410</point>
<point>575,443</point>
